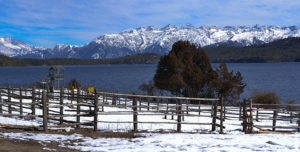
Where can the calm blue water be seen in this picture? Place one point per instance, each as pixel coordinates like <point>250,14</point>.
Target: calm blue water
<point>283,78</point>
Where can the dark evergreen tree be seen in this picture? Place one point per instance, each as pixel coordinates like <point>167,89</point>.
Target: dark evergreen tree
<point>187,71</point>
<point>228,84</point>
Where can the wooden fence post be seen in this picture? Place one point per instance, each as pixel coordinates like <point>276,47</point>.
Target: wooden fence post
<point>172,116</point>
<point>148,104</point>
<point>291,117</point>
<point>72,95</point>
<point>167,109</point>
<point>48,94</point>
<point>61,103</point>
<point>125,102</point>
<point>140,104</point>
<point>96,111</point>
<point>221,115</point>
<point>9,100</point>
<point>224,110</point>
<point>257,112</point>
<point>199,107</point>
<point>40,94</point>
<point>21,102</point>
<point>298,122</point>
<point>106,98</point>
<point>157,100</point>
<point>45,116</point>
<point>1,100</point>
<point>275,113</point>
<point>33,100</point>
<point>102,107</point>
<point>187,107</point>
<point>240,112</point>
<point>179,115</point>
<point>114,101</point>
<point>78,109</point>
<point>214,116</point>
<point>135,117</point>
<point>244,115</point>
<point>69,92</point>
<point>251,116</point>
<point>182,110</point>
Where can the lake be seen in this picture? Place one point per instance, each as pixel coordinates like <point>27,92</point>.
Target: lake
<point>283,78</point>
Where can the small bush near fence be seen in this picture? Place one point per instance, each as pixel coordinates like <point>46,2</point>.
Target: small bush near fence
<point>265,97</point>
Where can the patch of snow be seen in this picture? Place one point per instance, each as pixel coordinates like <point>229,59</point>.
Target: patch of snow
<point>17,121</point>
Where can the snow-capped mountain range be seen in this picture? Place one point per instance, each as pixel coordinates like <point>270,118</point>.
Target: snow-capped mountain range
<point>151,39</point>
<point>12,47</point>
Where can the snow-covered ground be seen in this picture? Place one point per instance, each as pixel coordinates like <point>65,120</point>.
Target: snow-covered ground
<point>199,138</point>
<point>171,142</point>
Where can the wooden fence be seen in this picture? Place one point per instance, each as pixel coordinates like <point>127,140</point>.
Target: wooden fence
<point>54,110</point>
<point>67,108</point>
<point>275,115</point>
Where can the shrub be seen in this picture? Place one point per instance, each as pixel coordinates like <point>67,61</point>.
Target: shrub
<point>74,84</point>
<point>265,97</point>
<point>149,88</point>
<point>290,107</point>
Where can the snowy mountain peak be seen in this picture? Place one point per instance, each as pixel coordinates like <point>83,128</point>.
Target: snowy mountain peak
<point>168,27</point>
<point>12,47</point>
<point>59,46</point>
<point>12,43</point>
<point>140,39</point>
<point>147,28</point>
<point>152,39</point>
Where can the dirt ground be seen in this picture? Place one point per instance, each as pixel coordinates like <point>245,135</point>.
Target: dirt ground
<point>13,145</point>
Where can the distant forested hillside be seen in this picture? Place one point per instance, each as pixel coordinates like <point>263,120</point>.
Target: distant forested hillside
<point>285,50</point>
<point>7,61</point>
<point>146,58</point>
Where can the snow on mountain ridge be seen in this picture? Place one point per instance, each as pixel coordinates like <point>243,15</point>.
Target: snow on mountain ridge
<point>203,35</point>
<point>152,39</point>
<point>12,47</point>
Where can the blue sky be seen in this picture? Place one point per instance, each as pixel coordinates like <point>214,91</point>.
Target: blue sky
<point>76,22</point>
